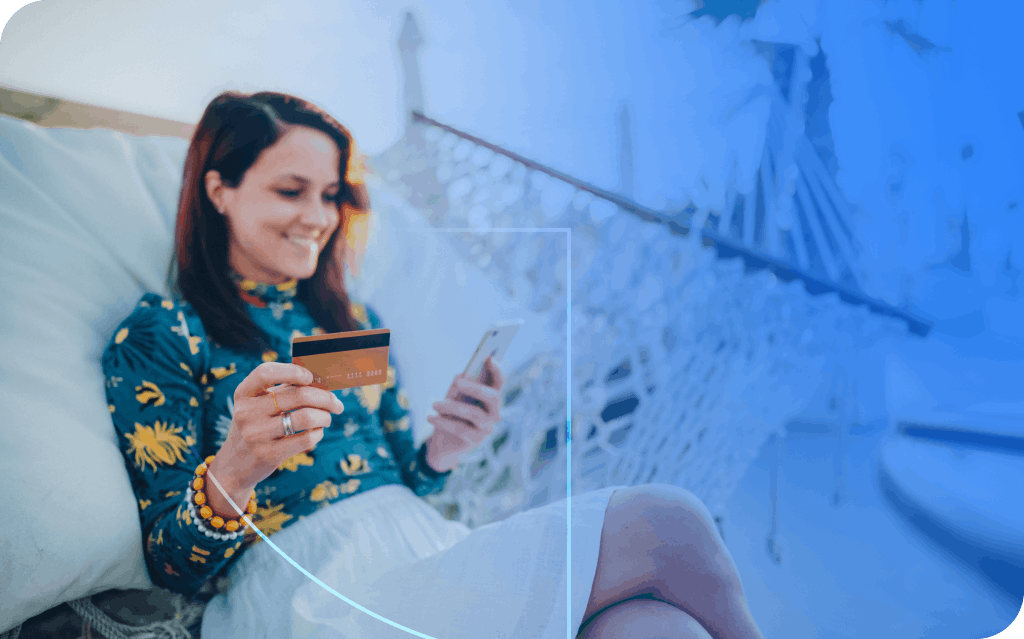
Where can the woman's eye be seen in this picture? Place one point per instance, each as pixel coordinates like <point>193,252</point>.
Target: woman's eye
<point>333,198</point>
<point>289,193</point>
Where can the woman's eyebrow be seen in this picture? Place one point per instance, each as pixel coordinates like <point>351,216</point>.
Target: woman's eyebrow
<point>304,181</point>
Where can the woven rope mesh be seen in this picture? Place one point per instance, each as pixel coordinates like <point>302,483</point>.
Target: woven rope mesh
<point>682,364</point>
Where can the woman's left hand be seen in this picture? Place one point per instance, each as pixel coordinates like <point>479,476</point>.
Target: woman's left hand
<point>460,427</point>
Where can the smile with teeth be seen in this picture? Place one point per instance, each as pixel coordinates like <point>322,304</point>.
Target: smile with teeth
<point>305,243</point>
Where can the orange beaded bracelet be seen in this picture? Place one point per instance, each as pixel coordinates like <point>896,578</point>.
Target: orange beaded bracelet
<point>196,497</point>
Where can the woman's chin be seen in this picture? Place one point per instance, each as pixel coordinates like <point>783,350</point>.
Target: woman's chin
<point>298,271</point>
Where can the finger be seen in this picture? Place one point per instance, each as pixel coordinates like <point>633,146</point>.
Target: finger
<point>453,390</point>
<point>490,406</point>
<point>270,374</point>
<point>452,408</point>
<point>476,390</point>
<point>447,427</point>
<point>304,419</point>
<point>298,443</point>
<point>455,427</point>
<point>295,397</point>
<point>498,380</point>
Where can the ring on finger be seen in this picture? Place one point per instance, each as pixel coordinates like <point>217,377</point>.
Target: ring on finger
<point>286,421</point>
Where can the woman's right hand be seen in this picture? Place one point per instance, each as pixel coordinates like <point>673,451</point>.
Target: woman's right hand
<point>256,443</point>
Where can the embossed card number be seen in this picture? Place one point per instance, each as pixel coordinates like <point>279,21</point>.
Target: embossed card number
<point>344,360</point>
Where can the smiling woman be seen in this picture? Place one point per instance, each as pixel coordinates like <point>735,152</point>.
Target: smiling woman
<point>226,441</point>
<point>267,181</point>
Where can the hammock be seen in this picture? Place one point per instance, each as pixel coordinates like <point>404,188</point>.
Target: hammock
<point>683,364</point>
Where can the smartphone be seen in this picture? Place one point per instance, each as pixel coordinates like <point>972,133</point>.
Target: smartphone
<point>494,344</point>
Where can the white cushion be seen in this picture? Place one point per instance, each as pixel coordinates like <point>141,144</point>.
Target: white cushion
<point>87,220</point>
<point>86,227</point>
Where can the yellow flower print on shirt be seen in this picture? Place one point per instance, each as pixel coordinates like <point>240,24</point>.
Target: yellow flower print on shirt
<point>297,333</point>
<point>149,394</point>
<point>154,541</point>
<point>403,401</point>
<point>168,304</point>
<point>397,425</point>
<point>269,520</point>
<point>182,330</point>
<point>293,462</point>
<point>121,336</point>
<point>269,356</point>
<point>182,516</point>
<point>369,397</point>
<point>220,372</point>
<point>327,491</point>
<point>199,555</point>
<point>157,444</point>
<point>391,378</point>
<point>324,490</point>
<point>355,465</point>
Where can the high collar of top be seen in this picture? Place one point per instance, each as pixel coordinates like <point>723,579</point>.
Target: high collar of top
<point>261,294</point>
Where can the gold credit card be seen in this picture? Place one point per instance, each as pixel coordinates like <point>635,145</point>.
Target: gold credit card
<point>344,360</point>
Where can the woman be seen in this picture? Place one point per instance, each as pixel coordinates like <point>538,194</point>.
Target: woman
<point>213,420</point>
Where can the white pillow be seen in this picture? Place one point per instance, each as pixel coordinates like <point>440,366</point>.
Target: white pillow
<point>87,219</point>
<point>86,227</point>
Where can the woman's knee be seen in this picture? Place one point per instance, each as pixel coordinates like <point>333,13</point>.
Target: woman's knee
<point>646,618</point>
<point>676,530</point>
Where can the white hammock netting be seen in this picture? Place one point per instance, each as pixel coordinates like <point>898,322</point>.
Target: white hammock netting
<point>683,364</point>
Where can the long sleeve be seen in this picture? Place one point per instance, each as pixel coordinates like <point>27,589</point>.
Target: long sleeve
<point>394,419</point>
<point>154,368</point>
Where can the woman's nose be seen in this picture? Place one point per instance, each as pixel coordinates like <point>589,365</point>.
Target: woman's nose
<point>317,214</point>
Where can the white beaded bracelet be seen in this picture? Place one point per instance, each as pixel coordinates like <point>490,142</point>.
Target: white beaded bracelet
<point>225,536</point>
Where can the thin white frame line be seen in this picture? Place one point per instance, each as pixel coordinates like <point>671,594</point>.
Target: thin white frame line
<point>474,229</point>
<point>568,435</point>
<point>568,462</point>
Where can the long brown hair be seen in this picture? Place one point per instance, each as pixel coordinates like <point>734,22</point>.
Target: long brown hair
<point>234,130</point>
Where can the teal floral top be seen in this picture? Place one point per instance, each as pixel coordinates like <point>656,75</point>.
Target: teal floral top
<point>170,394</point>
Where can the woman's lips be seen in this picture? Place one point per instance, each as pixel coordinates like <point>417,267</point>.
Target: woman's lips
<point>305,244</point>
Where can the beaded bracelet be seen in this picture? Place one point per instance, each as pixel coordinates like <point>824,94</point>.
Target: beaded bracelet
<point>196,497</point>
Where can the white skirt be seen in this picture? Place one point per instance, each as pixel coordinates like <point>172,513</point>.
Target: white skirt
<point>394,554</point>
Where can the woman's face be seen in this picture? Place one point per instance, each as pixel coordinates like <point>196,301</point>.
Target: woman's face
<point>285,208</point>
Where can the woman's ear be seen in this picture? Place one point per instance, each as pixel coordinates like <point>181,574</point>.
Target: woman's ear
<point>215,190</point>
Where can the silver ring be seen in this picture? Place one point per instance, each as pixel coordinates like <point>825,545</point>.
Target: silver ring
<point>286,419</point>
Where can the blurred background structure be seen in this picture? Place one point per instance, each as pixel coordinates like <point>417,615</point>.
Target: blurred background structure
<point>792,281</point>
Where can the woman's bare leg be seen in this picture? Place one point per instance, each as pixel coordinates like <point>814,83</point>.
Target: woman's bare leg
<point>643,619</point>
<point>660,540</point>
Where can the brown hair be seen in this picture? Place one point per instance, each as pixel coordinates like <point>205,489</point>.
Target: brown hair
<point>234,130</point>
